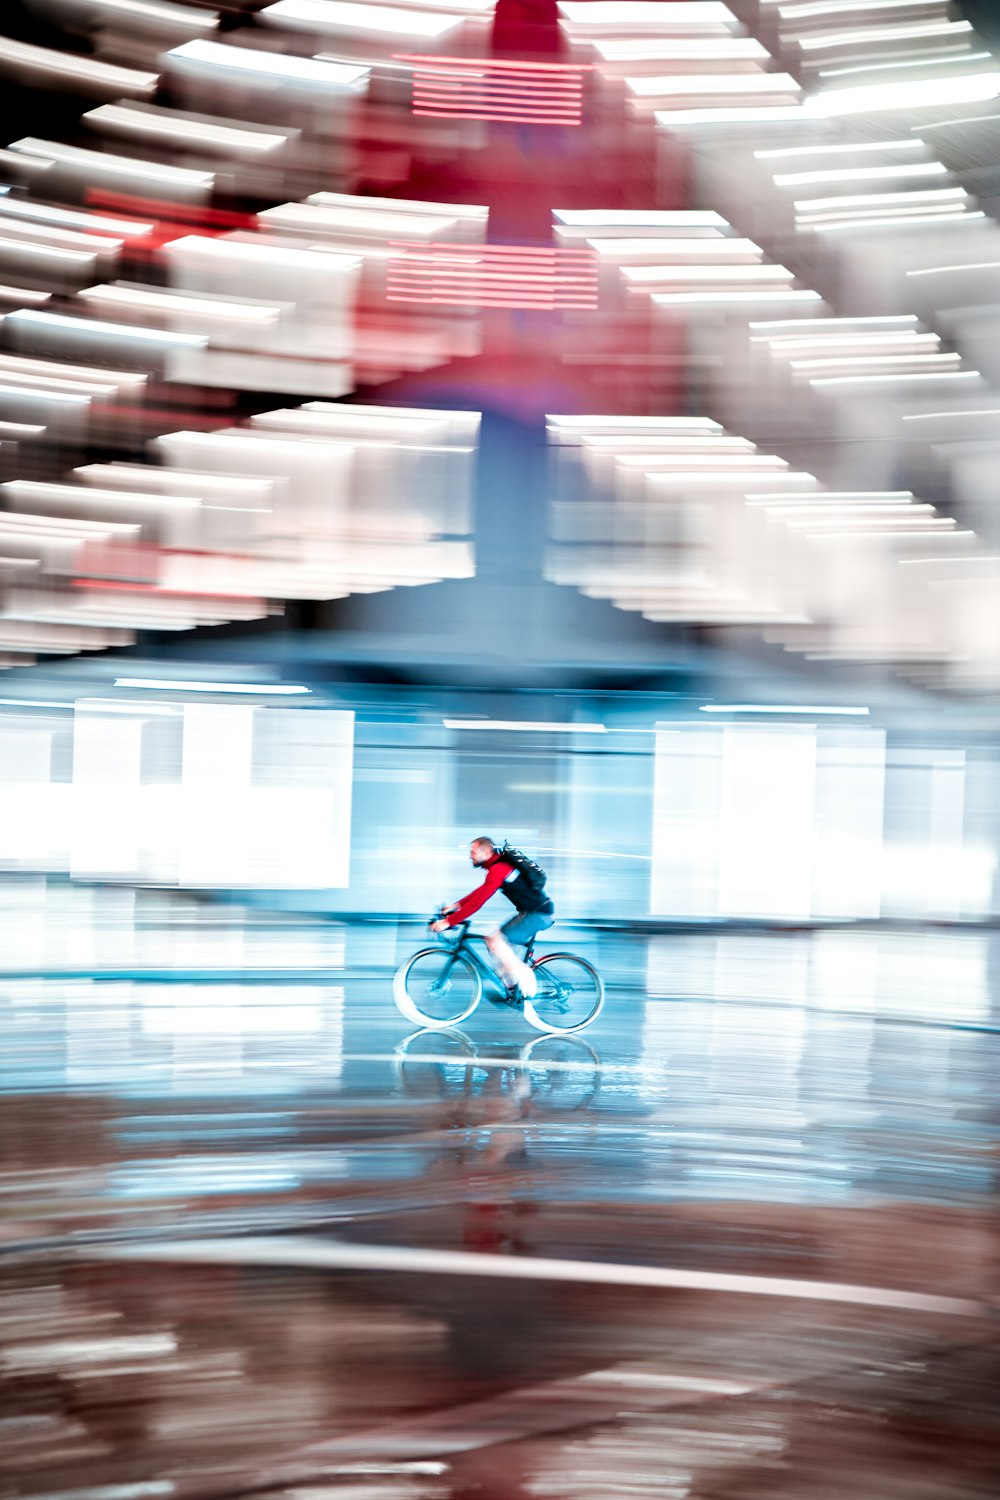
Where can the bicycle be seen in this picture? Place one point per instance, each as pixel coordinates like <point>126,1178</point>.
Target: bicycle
<point>440,987</point>
<point>559,1072</point>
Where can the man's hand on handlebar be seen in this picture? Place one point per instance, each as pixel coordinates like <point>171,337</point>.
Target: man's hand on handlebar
<point>441,925</point>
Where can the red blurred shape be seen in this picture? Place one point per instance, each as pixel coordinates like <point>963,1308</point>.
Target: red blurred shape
<point>469,88</point>
<point>137,568</point>
<point>514,276</point>
<point>172,220</point>
<point>183,213</point>
<point>129,564</point>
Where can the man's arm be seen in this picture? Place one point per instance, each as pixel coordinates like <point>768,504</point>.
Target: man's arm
<point>470,904</point>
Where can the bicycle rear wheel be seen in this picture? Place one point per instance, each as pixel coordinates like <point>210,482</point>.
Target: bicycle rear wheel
<point>436,988</point>
<point>564,1072</point>
<point>570,994</point>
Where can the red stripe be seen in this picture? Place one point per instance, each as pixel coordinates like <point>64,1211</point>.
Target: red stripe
<point>494,89</point>
<point>470,88</point>
<point>501,117</point>
<point>490,63</point>
<point>509,276</point>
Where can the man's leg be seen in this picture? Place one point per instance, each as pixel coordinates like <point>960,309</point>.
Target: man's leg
<point>513,970</point>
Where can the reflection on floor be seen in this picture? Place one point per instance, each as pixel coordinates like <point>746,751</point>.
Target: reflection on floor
<point>738,1240</point>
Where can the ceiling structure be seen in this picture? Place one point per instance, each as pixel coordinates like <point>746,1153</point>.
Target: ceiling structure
<point>658,333</point>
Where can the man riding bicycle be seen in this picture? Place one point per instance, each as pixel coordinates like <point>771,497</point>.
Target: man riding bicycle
<point>523,883</point>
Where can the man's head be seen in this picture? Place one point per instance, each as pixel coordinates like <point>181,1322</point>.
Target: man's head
<point>481,851</point>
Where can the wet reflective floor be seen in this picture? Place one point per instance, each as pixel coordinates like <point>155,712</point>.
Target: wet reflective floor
<point>739,1239</point>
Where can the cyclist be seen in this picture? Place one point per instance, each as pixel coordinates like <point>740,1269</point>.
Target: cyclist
<point>523,883</point>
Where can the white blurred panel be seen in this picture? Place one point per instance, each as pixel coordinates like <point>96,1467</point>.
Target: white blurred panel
<point>228,795</point>
<point>26,832</point>
<point>687,799</point>
<point>261,372</point>
<point>301,798</point>
<point>850,782</point>
<point>766,834</point>
<point>930,869</point>
<point>107,757</point>
<point>224,1009</point>
<point>305,347</point>
<point>215,783</point>
<point>767,822</point>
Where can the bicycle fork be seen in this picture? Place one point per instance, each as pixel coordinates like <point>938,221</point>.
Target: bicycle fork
<point>442,984</point>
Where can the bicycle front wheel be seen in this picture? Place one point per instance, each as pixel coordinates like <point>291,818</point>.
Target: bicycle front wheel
<point>570,994</point>
<point>436,1063</point>
<point>436,988</point>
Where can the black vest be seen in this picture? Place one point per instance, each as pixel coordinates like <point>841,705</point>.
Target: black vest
<point>522,894</point>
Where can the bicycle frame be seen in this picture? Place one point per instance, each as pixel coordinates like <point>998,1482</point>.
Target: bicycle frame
<point>464,947</point>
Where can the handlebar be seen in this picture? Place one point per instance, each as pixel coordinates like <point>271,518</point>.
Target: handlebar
<point>460,928</point>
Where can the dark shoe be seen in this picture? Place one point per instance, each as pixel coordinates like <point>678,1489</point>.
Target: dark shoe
<point>506,997</point>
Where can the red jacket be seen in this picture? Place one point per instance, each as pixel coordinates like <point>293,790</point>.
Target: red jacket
<point>497,871</point>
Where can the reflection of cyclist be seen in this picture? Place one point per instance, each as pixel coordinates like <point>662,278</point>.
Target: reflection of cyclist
<point>523,883</point>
